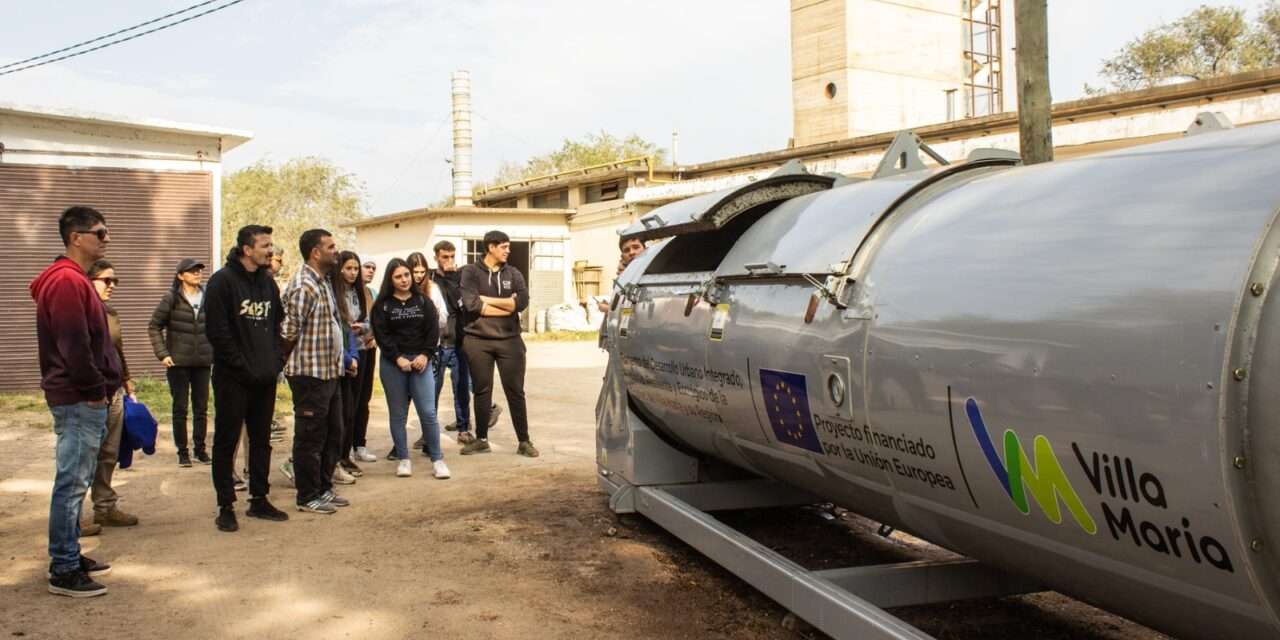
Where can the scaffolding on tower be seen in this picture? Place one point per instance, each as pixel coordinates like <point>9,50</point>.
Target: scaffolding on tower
<point>984,69</point>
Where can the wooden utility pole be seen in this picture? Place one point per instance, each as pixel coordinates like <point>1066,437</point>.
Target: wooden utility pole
<point>1035,127</point>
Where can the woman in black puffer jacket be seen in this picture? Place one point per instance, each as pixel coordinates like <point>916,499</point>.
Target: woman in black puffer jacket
<point>178,339</point>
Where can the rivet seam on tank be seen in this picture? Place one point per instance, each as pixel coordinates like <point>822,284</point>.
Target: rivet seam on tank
<point>1238,462</point>
<point>1255,544</point>
<point>1239,374</point>
<point>1257,288</point>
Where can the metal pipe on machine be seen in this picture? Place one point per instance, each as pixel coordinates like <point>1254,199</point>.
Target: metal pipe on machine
<point>1067,371</point>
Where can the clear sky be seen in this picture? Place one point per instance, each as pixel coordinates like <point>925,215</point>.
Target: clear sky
<point>365,83</point>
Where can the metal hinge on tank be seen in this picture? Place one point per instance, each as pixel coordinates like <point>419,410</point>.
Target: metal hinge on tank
<point>629,291</point>
<point>712,290</point>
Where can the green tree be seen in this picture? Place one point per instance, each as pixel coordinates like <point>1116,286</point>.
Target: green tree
<point>301,194</point>
<point>1266,36</point>
<point>591,149</point>
<point>1207,42</point>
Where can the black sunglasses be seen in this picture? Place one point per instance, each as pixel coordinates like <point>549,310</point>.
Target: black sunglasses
<point>101,233</point>
<point>114,282</point>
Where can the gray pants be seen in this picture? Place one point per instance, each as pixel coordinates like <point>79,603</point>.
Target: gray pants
<point>103,496</point>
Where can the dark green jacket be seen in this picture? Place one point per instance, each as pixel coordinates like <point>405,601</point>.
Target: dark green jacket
<point>177,332</point>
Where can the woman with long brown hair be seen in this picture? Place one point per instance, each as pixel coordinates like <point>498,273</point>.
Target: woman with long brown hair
<point>420,269</point>
<point>353,311</point>
<point>407,328</point>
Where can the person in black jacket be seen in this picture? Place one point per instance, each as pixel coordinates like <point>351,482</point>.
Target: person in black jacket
<point>243,322</point>
<point>406,326</point>
<point>446,277</point>
<point>494,294</point>
<point>178,339</point>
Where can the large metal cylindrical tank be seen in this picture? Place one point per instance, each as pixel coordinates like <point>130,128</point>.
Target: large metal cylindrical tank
<point>1069,370</point>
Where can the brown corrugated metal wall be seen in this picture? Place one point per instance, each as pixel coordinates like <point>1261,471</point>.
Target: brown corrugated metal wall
<point>156,219</point>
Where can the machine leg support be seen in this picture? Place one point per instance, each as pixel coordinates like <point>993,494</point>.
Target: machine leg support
<point>843,603</point>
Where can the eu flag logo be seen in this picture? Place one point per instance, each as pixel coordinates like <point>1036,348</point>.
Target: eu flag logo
<point>786,401</point>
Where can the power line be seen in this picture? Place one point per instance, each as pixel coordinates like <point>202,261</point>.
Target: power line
<point>114,33</point>
<point>517,136</point>
<point>413,162</point>
<point>114,42</point>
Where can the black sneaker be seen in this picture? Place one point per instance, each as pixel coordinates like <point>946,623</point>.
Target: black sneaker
<point>494,412</point>
<point>452,426</point>
<point>89,566</point>
<point>262,508</point>
<point>203,457</point>
<point>226,520</point>
<point>76,584</point>
<point>392,454</point>
<point>184,459</point>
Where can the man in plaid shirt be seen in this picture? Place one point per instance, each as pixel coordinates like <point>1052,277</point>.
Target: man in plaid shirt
<point>312,337</point>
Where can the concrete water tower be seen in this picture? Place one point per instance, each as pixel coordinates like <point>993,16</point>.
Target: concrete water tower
<point>860,67</point>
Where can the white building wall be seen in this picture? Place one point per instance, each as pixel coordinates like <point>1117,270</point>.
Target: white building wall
<point>398,239</point>
<point>595,239</point>
<point>903,56</point>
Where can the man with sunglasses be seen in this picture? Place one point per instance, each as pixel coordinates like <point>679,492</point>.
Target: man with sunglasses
<point>79,372</point>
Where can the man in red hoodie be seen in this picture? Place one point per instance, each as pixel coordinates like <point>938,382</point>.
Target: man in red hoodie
<point>79,372</point>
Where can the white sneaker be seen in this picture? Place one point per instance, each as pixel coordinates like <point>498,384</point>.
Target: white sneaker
<point>340,476</point>
<point>440,469</point>
<point>363,455</point>
<point>405,469</point>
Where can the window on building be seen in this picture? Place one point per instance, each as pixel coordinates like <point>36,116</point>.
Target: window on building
<point>475,251</point>
<point>550,200</point>
<point>604,191</point>
<point>548,256</point>
<point>509,203</point>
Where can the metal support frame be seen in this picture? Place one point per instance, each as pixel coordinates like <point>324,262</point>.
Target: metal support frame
<point>903,156</point>
<point>844,603</point>
<point>642,473</point>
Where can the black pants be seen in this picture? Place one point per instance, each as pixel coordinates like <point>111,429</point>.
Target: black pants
<point>508,353</point>
<point>236,404</point>
<point>368,367</point>
<point>349,388</point>
<point>193,380</point>
<point>317,434</point>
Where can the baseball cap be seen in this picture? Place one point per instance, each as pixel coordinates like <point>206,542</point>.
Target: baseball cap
<point>187,264</point>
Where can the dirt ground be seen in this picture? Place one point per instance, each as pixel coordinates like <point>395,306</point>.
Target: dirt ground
<point>509,548</point>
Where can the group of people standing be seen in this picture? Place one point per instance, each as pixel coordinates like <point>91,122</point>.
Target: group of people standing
<point>241,333</point>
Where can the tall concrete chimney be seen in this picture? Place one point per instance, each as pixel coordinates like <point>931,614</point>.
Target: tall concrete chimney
<point>462,139</point>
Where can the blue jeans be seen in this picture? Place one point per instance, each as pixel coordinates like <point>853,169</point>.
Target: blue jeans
<point>402,387</point>
<point>80,429</point>
<point>460,375</point>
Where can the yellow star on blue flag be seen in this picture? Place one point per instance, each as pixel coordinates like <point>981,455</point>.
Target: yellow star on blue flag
<point>786,401</point>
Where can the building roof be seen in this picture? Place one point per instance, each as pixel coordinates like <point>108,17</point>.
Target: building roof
<point>230,138</point>
<point>1097,107</point>
<point>454,211</point>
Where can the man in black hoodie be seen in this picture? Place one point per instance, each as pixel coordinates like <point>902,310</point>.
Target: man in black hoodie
<point>242,320</point>
<point>494,294</point>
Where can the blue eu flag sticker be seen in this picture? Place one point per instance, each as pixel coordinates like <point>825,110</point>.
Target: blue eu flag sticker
<point>786,401</point>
